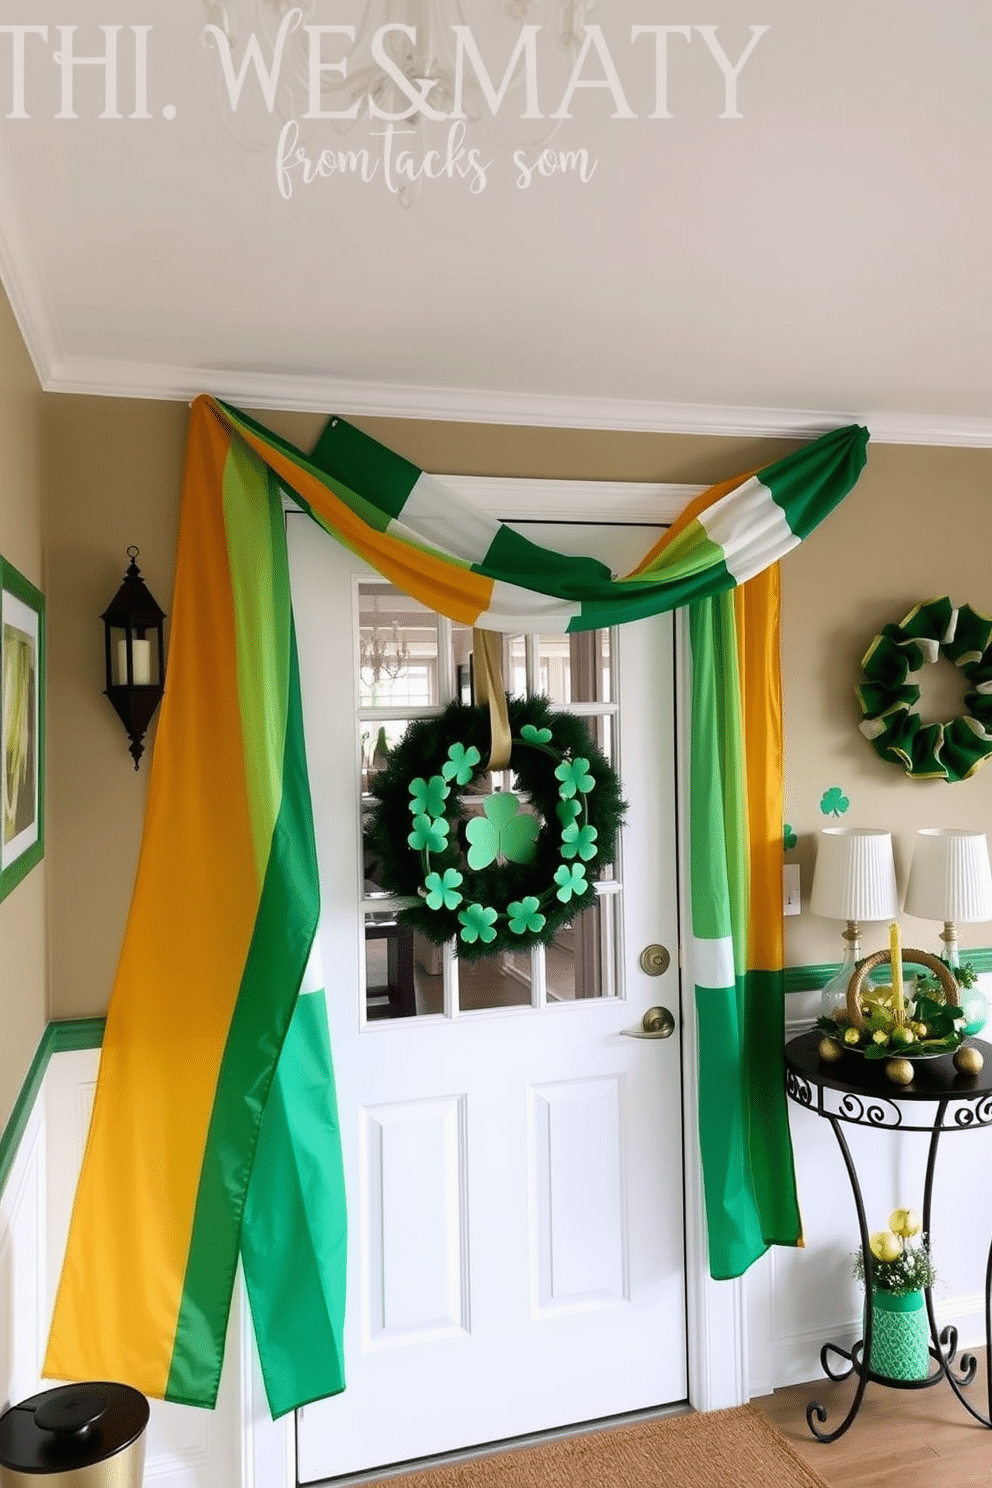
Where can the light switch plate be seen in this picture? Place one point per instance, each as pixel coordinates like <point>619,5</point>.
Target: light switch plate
<point>791,898</point>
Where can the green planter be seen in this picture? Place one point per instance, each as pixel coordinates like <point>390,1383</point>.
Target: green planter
<point>900,1344</point>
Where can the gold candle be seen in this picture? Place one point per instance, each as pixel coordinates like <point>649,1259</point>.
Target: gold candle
<point>895,955</point>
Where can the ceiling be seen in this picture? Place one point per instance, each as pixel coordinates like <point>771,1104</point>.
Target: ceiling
<point>822,257</point>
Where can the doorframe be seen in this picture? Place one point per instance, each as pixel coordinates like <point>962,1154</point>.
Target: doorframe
<point>716,1312</point>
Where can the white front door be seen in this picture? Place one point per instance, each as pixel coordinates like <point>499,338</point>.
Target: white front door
<point>513,1162</point>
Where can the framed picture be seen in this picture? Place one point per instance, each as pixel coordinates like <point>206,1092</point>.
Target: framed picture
<point>22,726</point>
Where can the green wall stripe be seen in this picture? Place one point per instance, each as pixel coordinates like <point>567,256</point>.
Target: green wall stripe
<point>58,1038</point>
<point>10,1141</point>
<point>812,978</point>
<point>77,1033</point>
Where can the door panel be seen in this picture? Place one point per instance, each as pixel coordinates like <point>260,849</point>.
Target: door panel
<point>512,1161</point>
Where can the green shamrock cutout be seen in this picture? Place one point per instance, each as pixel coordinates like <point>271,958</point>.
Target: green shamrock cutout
<point>442,889</point>
<point>460,764</point>
<point>789,838</point>
<point>569,811</point>
<point>834,802</point>
<point>427,797</point>
<point>579,841</point>
<point>477,921</point>
<point>429,835</point>
<point>524,915</point>
<point>571,881</point>
<point>534,735</point>
<point>574,776</point>
<point>503,830</point>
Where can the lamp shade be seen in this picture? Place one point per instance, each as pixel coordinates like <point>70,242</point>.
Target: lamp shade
<point>855,876</point>
<point>950,878</point>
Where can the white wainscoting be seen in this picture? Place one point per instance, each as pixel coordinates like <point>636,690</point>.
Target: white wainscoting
<point>235,1446</point>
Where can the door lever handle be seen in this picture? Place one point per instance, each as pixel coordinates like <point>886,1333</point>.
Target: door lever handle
<point>657,1023</point>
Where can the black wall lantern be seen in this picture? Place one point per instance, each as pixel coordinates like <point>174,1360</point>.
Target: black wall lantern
<point>135,658</point>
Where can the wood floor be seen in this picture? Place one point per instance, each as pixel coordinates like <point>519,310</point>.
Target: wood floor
<point>900,1438</point>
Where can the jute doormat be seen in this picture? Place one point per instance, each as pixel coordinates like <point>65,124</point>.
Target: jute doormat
<point>716,1449</point>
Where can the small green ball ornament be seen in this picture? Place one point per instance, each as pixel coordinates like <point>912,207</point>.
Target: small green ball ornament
<point>899,1071</point>
<point>829,1050</point>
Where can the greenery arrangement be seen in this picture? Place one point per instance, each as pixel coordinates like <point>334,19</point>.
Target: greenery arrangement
<point>509,877</point>
<point>926,1024</point>
<point>965,975</point>
<point>897,1266</point>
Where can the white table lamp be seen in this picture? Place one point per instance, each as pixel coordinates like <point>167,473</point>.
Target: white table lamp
<point>951,880</point>
<point>854,880</point>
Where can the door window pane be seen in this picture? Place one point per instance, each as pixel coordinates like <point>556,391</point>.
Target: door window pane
<point>376,737</point>
<point>495,982</point>
<point>567,668</point>
<point>397,649</point>
<point>580,961</point>
<point>413,662</point>
<point>403,972</point>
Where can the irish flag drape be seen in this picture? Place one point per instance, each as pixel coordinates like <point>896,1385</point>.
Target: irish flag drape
<point>214,1131</point>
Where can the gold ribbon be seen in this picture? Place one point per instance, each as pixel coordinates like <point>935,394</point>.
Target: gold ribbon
<point>487,667</point>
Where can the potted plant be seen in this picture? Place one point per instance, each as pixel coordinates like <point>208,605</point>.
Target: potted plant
<point>900,1272</point>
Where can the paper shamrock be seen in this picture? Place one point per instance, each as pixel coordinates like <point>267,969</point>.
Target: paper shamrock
<point>442,889</point>
<point>503,831</point>
<point>427,797</point>
<point>477,923</point>
<point>429,835</point>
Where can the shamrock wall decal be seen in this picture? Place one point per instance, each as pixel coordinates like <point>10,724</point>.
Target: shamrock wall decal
<point>504,830</point>
<point>834,802</point>
<point>789,838</point>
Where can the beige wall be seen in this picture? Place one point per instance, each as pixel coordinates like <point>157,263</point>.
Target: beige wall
<point>917,525</point>
<point>22,914</point>
<point>113,475</point>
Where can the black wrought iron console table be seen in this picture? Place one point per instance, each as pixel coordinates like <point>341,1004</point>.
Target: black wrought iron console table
<point>939,1100</point>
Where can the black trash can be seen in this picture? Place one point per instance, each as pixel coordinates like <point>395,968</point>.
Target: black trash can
<point>77,1436</point>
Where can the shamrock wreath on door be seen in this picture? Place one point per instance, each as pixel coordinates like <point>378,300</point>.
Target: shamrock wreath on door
<point>936,751</point>
<point>513,873</point>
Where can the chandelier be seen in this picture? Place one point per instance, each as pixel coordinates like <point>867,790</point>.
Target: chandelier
<point>383,656</point>
<point>402,64</point>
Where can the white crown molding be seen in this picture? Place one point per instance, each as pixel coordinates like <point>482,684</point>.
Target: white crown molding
<point>318,394</point>
<point>517,500</point>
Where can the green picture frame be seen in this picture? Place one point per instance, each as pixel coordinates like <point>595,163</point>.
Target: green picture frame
<point>22,727</point>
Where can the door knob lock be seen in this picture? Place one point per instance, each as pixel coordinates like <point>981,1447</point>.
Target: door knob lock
<point>655,960</point>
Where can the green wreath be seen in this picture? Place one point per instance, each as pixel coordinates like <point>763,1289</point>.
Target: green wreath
<point>506,878</point>
<point>935,751</point>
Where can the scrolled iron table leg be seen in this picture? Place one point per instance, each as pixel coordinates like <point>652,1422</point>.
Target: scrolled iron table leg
<point>948,1336</point>
<point>835,1348</point>
<point>816,1413</point>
